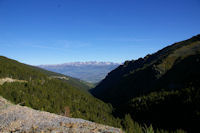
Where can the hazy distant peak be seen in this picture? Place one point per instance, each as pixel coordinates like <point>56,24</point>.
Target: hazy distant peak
<point>90,71</point>
<point>94,63</point>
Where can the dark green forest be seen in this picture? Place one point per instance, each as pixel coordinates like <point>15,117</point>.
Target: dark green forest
<point>167,110</point>
<point>42,91</point>
<point>161,89</point>
<point>54,95</point>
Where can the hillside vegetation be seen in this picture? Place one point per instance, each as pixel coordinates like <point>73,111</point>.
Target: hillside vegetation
<point>161,88</point>
<point>48,91</point>
<point>44,90</point>
<point>14,69</point>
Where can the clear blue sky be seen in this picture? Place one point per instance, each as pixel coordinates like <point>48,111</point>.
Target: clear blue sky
<point>57,31</point>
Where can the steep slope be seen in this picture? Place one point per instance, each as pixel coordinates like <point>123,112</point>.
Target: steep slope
<point>171,108</point>
<point>16,118</point>
<point>44,90</point>
<point>162,89</point>
<point>139,77</point>
<point>92,72</point>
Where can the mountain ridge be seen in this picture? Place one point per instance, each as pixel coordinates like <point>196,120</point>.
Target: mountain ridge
<point>77,63</point>
<point>162,88</point>
<point>155,65</point>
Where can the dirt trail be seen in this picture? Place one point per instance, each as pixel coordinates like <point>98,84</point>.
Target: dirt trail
<point>4,80</point>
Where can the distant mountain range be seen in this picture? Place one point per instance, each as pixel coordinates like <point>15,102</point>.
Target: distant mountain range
<point>91,71</point>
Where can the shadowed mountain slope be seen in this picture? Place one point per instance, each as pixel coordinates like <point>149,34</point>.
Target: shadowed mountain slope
<point>162,89</point>
<point>139,77</point>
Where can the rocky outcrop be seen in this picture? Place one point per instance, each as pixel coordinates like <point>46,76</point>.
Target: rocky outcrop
<point>16,118</point>
<point>9,80</point>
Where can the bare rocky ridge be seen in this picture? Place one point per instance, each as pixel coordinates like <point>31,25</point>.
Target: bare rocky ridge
<point>16,118</point>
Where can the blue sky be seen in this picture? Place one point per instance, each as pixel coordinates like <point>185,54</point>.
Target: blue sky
<point>57,31</point>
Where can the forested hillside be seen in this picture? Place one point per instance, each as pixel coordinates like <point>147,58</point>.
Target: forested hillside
<point>52,92</point>
<point>161,88</point>
<point>47,91</point>
<point>14,69</point>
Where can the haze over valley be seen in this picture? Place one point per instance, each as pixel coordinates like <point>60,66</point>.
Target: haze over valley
<point>92,71</point>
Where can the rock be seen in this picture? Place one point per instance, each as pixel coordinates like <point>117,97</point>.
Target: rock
<point>18,119</point>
